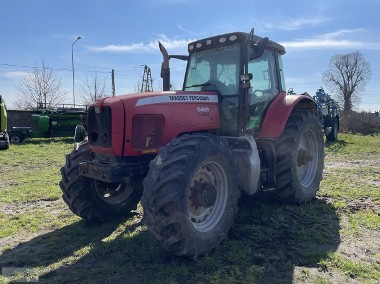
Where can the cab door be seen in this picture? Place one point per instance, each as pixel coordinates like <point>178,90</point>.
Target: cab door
<point>264,86</point>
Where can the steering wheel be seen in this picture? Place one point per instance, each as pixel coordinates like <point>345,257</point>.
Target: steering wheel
<point>258,102</point>
<point>214,85</point>
<point>227,107</point>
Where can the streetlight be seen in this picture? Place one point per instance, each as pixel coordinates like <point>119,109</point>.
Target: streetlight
<point>72,64</point>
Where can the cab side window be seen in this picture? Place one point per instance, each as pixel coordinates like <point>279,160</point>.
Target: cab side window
<point>264,86</point>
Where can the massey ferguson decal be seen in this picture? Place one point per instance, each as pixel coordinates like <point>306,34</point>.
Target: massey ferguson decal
<point>189,98</point>
<point>177,99</point>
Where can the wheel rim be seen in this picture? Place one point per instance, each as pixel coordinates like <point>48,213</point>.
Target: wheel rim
<point>307,160</point>
<point>205,217</point>
<point>15,139</point>
<point>113,193</point>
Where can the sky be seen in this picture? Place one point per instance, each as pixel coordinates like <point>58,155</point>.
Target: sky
<point>124,35</point>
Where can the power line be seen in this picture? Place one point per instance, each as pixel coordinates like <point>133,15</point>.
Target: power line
<point>70,70</point>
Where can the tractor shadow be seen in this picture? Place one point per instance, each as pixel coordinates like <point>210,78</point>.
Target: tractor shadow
<point>277,237</point>
<point>49,248</point>
<point>266,243</point>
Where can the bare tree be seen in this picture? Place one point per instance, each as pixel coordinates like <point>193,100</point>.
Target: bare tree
<point>346,77</point>
<point>93,89</point>
<point>39,88</point>
<point>136,87</point>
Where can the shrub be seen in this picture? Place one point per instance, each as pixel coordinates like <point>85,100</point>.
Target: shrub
<point>363,123</point>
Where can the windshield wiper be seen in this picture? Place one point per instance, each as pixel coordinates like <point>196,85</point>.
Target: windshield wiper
<point>198,85</point>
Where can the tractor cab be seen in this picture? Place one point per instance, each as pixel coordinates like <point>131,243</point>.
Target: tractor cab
<point>244,69</point>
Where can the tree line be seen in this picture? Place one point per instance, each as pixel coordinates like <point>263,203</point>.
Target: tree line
<point>42,89</point>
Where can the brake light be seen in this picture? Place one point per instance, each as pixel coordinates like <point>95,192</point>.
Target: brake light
<point>147,131</point>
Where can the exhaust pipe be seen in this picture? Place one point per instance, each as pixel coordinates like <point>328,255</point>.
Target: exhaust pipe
<point>165,70</point>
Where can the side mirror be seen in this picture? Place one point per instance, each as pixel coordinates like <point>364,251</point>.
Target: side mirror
<point>245,80</point>
<point>258,49</point>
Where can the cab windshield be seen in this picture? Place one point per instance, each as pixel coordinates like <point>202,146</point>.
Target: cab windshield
<point>214,69</point>
<point>218,69</point>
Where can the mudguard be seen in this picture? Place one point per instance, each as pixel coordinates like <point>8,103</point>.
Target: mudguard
<point>279,111</point>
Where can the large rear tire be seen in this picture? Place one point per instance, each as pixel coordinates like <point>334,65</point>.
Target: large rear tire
<point>94,200</point>
<point>190,194</point>
<point>300,158</point>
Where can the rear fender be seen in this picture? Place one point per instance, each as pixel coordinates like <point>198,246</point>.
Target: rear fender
<point>279,111</point>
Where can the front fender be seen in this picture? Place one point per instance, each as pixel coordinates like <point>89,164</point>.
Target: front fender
<point>279,111</point>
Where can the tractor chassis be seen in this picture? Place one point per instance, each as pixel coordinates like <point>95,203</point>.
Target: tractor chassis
<point>112,171</point>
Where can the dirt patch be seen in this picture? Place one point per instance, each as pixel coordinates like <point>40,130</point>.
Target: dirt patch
<point>314,275</point>
<point>352,163</point>
<point>52,206</point>
<point>365,247</point>
<point>361,204</point>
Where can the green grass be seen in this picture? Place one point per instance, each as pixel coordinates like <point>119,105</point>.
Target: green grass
<point>36,220</point>
<point>354,146</point>
<point>366,218</point>
<point>268,240</point>
<point>353,269</point>
<point>352,183</point>
<point>355,181</point>
<point>32,170</point>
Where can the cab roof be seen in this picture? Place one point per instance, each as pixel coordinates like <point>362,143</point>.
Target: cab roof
<point>230,38</point>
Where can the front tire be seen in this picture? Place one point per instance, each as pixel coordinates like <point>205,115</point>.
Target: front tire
<point>93,200</point>
<point>190,194</point>
<point>16,138</point>
<point>300,158</point>
<point>5,144</point>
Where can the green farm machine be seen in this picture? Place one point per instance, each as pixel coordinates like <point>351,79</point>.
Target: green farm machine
<point>329,115</point>
<point>4,138</point>
<point>52,123</point>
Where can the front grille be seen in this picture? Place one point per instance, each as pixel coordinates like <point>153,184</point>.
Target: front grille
<point>99,126</point>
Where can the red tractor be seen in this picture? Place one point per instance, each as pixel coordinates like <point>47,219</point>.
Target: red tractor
<point>188,155</point>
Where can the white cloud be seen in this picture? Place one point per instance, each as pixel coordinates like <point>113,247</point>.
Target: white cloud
<point>14,74</point>
<point>141,47</point>
<point>132,48</point>
<point>320,43</point>
<point>180,27</point>
<point>339,39</point>
<point>343,32</point>
<point>296,24</point>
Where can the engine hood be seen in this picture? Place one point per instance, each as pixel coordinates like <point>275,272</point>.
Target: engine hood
<point>179,112</point>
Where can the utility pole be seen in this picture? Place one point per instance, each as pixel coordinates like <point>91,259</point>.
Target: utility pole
<point>147,82</point>
<point>113,82</point>
<point>72,65</point>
